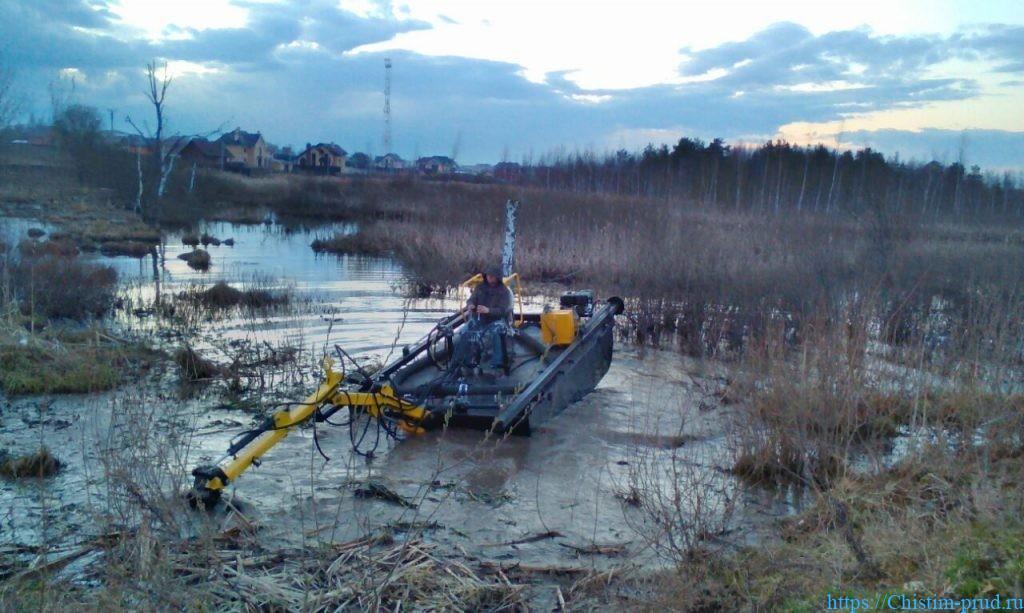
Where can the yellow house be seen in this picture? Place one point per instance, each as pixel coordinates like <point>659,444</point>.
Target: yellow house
<point>325,158</point>
<point>248,151</point>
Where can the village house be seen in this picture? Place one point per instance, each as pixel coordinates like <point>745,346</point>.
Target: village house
<point>436,165</point>
<point>205,154</point>
<point>326,158</point>
<point>283,161</point>
<point>508,171</point>
<point>248,150</point>
<point>389,162</point>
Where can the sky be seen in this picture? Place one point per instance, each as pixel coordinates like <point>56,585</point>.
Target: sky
<point>484,81</point>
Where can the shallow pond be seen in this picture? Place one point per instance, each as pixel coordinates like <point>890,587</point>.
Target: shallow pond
<point>652,416</point>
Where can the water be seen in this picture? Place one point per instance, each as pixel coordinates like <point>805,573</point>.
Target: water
<point>573,477</point>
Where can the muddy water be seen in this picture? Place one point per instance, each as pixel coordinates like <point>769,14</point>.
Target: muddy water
<point>571,480</point>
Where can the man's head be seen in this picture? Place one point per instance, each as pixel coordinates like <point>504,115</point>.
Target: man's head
<point>493,275</point>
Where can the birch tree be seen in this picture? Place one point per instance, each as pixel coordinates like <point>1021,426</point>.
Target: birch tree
<point>164,150</point>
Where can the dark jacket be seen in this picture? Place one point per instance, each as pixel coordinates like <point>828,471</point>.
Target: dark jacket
<point>497,298</point>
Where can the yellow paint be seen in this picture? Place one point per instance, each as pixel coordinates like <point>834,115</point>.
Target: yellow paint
<point>375,404</point>
<point>558,327</point>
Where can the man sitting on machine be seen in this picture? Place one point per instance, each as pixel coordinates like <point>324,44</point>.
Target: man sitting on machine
<point>489,308</point>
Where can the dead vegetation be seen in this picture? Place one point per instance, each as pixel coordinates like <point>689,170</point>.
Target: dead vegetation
<point>48,281</point>
<point>371,240</point>
<point>194,367</point>
<point>223,296</point>
<point>39,464</point>
<point>704,279</point>
<point>132,249</point>
<point>198,259</point>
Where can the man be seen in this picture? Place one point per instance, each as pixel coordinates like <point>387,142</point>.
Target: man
<point>488,310</point>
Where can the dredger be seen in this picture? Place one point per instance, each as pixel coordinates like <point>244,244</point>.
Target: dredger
<point>553,358</point>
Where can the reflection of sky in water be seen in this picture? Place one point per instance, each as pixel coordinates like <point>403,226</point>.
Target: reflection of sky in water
<point>357,299</point>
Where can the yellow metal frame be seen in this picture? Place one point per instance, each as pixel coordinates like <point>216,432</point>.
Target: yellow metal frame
<point>375,404</point>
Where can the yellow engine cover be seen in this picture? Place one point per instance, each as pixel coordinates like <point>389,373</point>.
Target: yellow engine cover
<point>559,327</point>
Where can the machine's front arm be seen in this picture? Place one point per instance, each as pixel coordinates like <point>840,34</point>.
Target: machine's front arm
<point>380,403</point>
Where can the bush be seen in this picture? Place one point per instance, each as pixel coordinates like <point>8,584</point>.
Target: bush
<point>54,286</point>
<point>197,259</point>
<point>38,464</point>
<point>223,296</point>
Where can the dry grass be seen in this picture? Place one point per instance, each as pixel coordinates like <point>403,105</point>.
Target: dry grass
<point>39,464</point>
<point>372,240</point>
<point>223,296</point>
<point>372,573</point>
<point>61,362</point>
<point>133,249</point>
<point>844,384</point>
<point>48,282</point>
<point>194,367</point>
<point>198,259</point>
<point>707,279</point>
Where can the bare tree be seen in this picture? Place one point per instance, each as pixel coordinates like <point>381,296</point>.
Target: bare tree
<point>164,150</point>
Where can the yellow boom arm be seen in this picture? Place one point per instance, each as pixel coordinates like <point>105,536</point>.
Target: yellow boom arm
<point>210,480</point>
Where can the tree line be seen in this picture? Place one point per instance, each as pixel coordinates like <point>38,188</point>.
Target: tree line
<point>779,177</point>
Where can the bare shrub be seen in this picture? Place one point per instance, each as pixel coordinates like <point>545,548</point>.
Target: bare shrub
<point>39,464</point>
<point>194,367</point>
<point>55,286</point>
<point>685,504</point>
<point>198,259</point>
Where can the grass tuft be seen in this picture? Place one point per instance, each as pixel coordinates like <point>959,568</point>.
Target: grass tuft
<point>39,464</point>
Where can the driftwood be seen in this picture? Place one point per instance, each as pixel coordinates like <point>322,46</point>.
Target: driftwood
<point>550,534</point>
<point>372,489</point>
<point>519,567</point>
<point>595,549</point>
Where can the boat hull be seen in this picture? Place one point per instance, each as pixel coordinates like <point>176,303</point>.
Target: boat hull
<point>539,387</point>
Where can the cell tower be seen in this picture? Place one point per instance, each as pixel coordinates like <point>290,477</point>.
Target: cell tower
<point>387,105</point>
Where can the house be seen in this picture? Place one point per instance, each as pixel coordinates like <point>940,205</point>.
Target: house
<point>326,158</point>
<point>206,154</point>
<point>389,162</point>
<point>282,160</point>
<point>507,171</point>
<point>137,145</point>
<point>436,165</point>
<point>248,150</point>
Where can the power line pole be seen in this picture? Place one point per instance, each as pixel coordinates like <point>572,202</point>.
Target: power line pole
<point>387,105</point>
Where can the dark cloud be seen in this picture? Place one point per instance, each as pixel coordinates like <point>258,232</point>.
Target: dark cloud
<point>58,34</point>
<point>787,54</point>
<point>271,25</point>
<point>1001,43</point>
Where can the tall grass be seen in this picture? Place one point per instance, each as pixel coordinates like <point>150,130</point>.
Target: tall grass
<point>813,408</point>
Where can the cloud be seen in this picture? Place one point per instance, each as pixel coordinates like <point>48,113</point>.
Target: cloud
<point>288,71</point>
<point>787,54</point>
<point>56,34</point>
